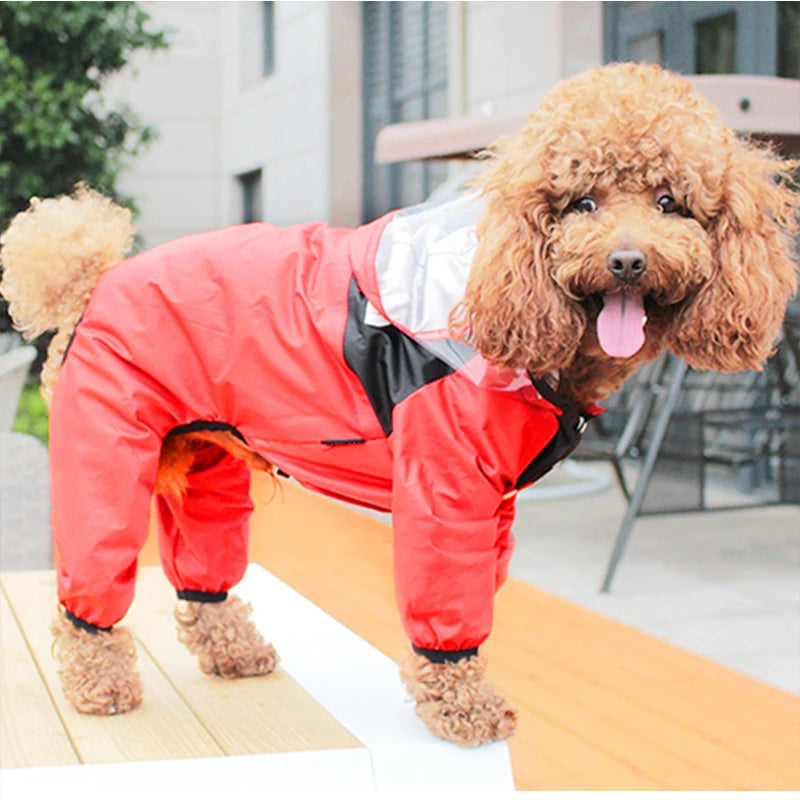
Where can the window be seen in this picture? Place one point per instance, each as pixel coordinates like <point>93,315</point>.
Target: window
<point>756,38</point>
<point>257,34</point>
<point>268,38</point>
<point>715,44</point>
<point>405,78</point>
<point>250,187</point>
<point>649,48</point>
<point>789,40</point>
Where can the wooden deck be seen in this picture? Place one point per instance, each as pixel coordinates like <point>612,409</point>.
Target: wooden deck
<point>603,707</point>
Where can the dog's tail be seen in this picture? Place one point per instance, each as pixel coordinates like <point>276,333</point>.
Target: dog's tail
<point>52,256</point>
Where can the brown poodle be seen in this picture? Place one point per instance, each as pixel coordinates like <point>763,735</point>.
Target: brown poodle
<point>624,219</point>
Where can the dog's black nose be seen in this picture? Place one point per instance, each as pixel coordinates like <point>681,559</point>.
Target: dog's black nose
<point>627,265</point>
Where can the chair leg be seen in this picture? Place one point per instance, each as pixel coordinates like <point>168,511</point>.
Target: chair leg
<point>643,480</point>
<point>616,462</point>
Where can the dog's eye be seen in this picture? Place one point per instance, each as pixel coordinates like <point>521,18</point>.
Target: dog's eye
<point>667,204</point>
<point>583,205</point>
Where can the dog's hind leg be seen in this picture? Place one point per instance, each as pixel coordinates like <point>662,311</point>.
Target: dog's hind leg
<point>225,639</point>
<point>203,540</point>
<point>97,667</point>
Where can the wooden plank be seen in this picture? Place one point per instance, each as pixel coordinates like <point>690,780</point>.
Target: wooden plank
<point>544,773</point>
<point>611,677</point>
<point>265,714</point>
<point>598,695</point>
<point>31,732</point>
<point>704,682</point>
<point>755,721</point>
<point>636,736</point>
<point>540,742</point>
<point>162,727</point>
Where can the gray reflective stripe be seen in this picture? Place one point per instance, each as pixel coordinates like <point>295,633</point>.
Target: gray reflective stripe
<point>456,354</point>
<point>424,260</point>
<point>422,266</point>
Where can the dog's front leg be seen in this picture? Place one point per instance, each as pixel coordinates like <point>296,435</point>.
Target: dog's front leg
<point>455,701</point>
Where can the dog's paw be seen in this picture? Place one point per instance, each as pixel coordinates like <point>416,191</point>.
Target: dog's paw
<point>224,639</point>
<point>455,701</point>
<point>97,670</point>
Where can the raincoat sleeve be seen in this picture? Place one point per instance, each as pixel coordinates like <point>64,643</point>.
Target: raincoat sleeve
<point>458,450</point>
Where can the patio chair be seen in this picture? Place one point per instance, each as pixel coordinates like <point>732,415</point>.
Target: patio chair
<point>14,366</point>
<point>688,426</point>
<point>25,541</point>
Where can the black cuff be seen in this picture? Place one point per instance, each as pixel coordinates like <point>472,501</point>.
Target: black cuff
<point>83,625</point>
<point>202,597</point>
<point>445,656</point>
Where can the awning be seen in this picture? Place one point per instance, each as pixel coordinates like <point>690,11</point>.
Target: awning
<point>764,106</point>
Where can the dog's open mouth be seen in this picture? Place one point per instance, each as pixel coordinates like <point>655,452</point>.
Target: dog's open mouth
<point>621,317</point>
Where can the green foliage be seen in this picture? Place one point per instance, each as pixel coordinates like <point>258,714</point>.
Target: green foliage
<point>55,129</point>
<point>32,417</point>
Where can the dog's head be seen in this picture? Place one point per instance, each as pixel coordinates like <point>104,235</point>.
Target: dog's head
<point>624,218</point>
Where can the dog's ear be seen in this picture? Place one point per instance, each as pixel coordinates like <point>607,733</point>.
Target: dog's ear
<point>733,322</point>
<point>513,312</point>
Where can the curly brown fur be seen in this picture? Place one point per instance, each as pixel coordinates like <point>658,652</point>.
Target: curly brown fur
<point>224,639</point>
<point>97,670</point>
<point>53,254</point>
<point>455,702</point>
<point>718,281</point>
<point>178,453</point>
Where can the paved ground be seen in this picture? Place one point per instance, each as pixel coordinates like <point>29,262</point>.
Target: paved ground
<point>725,585</point>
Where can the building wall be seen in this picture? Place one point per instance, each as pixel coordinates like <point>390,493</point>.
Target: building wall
<point>219,118</point>
<point>514,52</point>
<point>581,37</point>
<point>175,182</point>
<point>301,125</point>
<point>276,123</point>
<point>345,112</point>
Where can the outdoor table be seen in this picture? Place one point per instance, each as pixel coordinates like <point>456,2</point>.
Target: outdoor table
<point>602,706</point>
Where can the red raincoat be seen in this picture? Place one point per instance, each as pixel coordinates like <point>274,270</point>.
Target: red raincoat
<point>327,350</point>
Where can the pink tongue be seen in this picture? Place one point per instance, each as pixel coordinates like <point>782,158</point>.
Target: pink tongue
<point>620,325</point>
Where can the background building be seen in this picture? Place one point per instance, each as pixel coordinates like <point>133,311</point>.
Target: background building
<point>269,110</point>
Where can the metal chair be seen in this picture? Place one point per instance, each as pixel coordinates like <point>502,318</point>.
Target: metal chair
<point>25,541</point>
<point>14,367</point>
<point>685,422</point>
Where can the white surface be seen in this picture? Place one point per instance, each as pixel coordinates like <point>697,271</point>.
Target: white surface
<point>225,777</point>
<point>355,682</point>
<point>580,480</point>
<point>361,687</point>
